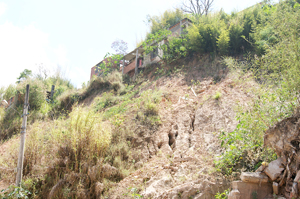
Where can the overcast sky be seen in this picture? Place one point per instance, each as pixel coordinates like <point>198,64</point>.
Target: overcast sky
<point>74,34</point>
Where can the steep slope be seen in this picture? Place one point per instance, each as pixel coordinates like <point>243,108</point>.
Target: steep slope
<point>177,160</point>
<point>167,157</point>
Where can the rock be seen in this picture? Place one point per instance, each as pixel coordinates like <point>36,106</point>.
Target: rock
<point>261,168</point>
<point>234,194</point>
<point>108,170</point>
<point>138,165</point>
<point>283,135</point>
<point>254,177</point>
<point>99,187</point>
<point>275,188</point>
<point>250,190</point>
<point>156,185</point>
<point>274,169</point>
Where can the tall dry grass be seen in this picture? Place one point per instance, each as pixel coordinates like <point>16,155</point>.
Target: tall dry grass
<point>62,150</point>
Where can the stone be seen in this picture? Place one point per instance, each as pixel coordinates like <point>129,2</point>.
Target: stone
<point>275,188</point>
<point>274,169</point>
<point>261,168</point>
<point>250,190</point>
<point>234,194</point>
<point>254,177</point>
<point>99,187</point>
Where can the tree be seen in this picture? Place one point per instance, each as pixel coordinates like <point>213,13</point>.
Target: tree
<point>197,7</point>
<point>165,20</point>
<point>120,46</point>
<point>223,42</point>
<point>110,62</point>
<point>24,75</point>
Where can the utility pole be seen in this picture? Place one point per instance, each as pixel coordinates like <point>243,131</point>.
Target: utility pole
<point>23,134</point>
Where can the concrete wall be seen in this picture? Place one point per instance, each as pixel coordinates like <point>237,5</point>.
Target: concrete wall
<point>93,72</point>
<point>129,67</point>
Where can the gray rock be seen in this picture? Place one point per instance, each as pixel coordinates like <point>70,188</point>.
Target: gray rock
<point>254,177</point>
<point>274,169</point>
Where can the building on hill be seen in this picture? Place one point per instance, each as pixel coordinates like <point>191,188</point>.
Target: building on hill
<point>136,59</point>
<point>95,70</point>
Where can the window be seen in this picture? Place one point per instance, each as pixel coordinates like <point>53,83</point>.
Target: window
<point>154,53</point>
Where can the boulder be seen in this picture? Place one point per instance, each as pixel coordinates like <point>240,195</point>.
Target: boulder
<point>250,190</point>
<point>234,194</point>
<point>274,169</point>
<point>254,177</point>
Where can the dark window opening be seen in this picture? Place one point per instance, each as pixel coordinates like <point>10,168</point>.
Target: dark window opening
<point>154,53</point>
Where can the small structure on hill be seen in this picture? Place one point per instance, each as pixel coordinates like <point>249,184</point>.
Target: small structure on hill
<point>96,71</point>
<point>136,59</point>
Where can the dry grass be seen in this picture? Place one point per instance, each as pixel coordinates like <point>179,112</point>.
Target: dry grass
<point>55,149</point>
<point>97,86</point>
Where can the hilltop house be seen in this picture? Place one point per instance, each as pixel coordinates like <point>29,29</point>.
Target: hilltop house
<point>134,60</point>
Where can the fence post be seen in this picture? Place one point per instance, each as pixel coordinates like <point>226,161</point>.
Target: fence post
<point>52,92</point>
<point>23,134</point>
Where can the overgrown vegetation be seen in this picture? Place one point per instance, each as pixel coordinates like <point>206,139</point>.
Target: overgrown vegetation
<point>277,97</point>
<point>78,151</point>
<point>87,143</point>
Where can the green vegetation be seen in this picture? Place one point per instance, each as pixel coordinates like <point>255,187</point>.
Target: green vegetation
<point>166,20</point>
<point>74,140</point>
<point>15,192</point>
<point>275,99</point>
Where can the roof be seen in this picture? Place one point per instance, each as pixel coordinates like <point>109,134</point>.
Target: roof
<point>185,19</point>
<point>132,54</point>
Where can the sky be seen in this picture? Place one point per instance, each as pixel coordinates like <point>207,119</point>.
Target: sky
<point>74,35</point>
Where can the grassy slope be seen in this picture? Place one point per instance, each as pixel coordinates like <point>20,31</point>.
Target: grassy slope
<point>143,106</point>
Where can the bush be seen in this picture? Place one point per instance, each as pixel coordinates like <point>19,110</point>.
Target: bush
<point>37,93</point>
<point>223,42</point>
<point>217,96</point>
<point>9,92</point>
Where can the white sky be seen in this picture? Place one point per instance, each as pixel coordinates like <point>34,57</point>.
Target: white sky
<point>74,34</point>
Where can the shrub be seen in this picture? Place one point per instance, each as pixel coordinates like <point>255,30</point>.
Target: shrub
<point>223,42</point>
<point>217,96</point>
<point>235,35</point>
<point>37,93</point>
<point>9,92</point>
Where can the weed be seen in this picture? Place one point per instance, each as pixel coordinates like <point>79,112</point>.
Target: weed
<point>223,195</point>
<point>217,96</point>
<point>133,192</point>
<point>14,192</point>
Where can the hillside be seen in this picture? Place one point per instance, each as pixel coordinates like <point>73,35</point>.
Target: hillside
<point>184,127</point>
<point>178,150</point>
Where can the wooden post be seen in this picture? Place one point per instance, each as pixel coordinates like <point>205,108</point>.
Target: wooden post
<point>123,65</point>
<point>136,63</point>
<point>52,92</point>
<point>180,27</point>
<point>23,134</point>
